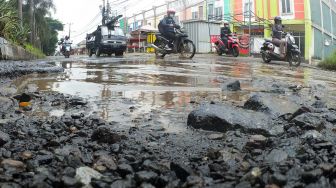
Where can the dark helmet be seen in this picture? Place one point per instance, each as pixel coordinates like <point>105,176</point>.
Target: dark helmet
<point>277,19</point>
<point>66,37</point>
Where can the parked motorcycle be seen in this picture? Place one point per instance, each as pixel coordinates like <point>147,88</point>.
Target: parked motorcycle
<point>231,49</point>
<point>184,46</point>
<point>270,52</point>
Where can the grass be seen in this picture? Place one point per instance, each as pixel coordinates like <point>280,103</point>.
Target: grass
<point>35,51</point>
<point>329,63</point>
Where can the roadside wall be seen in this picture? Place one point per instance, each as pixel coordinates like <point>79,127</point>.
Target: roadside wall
<point>9,51</point>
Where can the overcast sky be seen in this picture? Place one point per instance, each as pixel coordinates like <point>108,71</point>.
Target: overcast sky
<point>81,13</point>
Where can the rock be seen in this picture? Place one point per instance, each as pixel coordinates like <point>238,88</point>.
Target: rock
<point>223,118</point>
<point>216,136</point>
<point>26,155</point>
<point>311,176</point>
<point>256,172</point>
<point>77,116</point>
<point>4,138</point>
<point>326,167</point>
<point>300,111</point>
<point>13,164</point>
<point>319,104</point>
<point>312,134</point>
<point>257,142</point>
<point>115,148</point>
<point>106,161</point>
<point>277,156</point>
<point>194,181</point>
<point>99,168</point>
<point>44,159</point>
<point>105,135</point>
<point>69,181</point>
<point>146,185</point>
<point>232,86</point>
<point>243,184</point>
<point>279,179</point>
<point>145,176</point>
<point>255,103</point>
<point>7,105</point>
<point>85,174</point>
<point>124,169</point>
<point>270,104</point>
<point>181,171</point>
<point>310,121</point>
<point>77,102</point>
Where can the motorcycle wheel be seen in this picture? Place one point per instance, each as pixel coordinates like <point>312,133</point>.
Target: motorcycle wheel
<point>121,53</point>
<point>188,49</point>
<point>235,52</point>
<point>90,52</point>
<point>219,52</point>
<point>294,60</point>
<point>160,53</point>
<point>265,58</point>
<point>97,52</point>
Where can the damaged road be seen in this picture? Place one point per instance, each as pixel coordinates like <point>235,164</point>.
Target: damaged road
<point>140,122</point>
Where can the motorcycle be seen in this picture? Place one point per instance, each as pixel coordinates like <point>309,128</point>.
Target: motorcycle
<point>66,49</point>
<point>184,46</point>
<point>231,48</point>
<point>271,52</point>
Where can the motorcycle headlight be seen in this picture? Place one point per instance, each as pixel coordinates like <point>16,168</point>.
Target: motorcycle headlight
<point>292,39</point>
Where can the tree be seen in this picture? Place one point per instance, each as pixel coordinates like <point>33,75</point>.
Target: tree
<point>49,41</point>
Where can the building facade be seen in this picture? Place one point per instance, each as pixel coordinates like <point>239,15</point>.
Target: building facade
<point>312,22</point>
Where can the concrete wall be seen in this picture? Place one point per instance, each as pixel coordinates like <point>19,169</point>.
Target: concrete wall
<point>323,13</point>
<point>9,51</point>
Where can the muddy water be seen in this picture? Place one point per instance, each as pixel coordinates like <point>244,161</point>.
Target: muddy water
<point>132,90</point>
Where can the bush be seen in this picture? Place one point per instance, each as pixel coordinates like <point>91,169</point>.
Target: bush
<point>35,51</point>
<point>329,63</point>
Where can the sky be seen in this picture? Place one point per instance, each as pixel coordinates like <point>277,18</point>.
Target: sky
<point>83,14</point>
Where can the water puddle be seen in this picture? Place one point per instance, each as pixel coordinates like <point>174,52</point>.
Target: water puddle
<point>164,86</point>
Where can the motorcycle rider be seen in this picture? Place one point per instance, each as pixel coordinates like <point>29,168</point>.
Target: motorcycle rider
<point>277,31</point>
<point>225,32</point>
<point>167,26</point>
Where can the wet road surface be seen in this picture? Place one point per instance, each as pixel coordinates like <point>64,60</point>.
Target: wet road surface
<point>138,86</point>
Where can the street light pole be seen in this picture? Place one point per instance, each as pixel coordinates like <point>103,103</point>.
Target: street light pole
<point>250,37</point>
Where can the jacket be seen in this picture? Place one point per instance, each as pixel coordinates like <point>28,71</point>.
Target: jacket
<point>225,31</point>
<point>164,25</point>
<point>277,30</point>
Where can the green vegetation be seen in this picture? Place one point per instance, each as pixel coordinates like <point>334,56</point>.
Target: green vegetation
<point>10,27</point>
<point>329,63</point>
<point>36,27</point>
<point>35,51</point>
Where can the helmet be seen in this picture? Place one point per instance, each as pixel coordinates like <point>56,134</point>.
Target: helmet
<point>66,37</point>
<point>226,23</point>
<point>277,19</point>
<point>171,11</point>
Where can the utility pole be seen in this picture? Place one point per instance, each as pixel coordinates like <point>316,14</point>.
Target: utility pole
<point>20,11</point>
<point>250,20</point>
<point>103,13</point>
<point>70,29</point>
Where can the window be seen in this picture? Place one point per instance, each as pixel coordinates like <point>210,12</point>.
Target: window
<point>194,15</point>
<point>211,11</point>
<point>200,10</point>
<point>219,13</point>
<point>286,6</point>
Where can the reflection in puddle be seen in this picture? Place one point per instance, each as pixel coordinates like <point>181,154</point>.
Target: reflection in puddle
<point>162,85</point>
